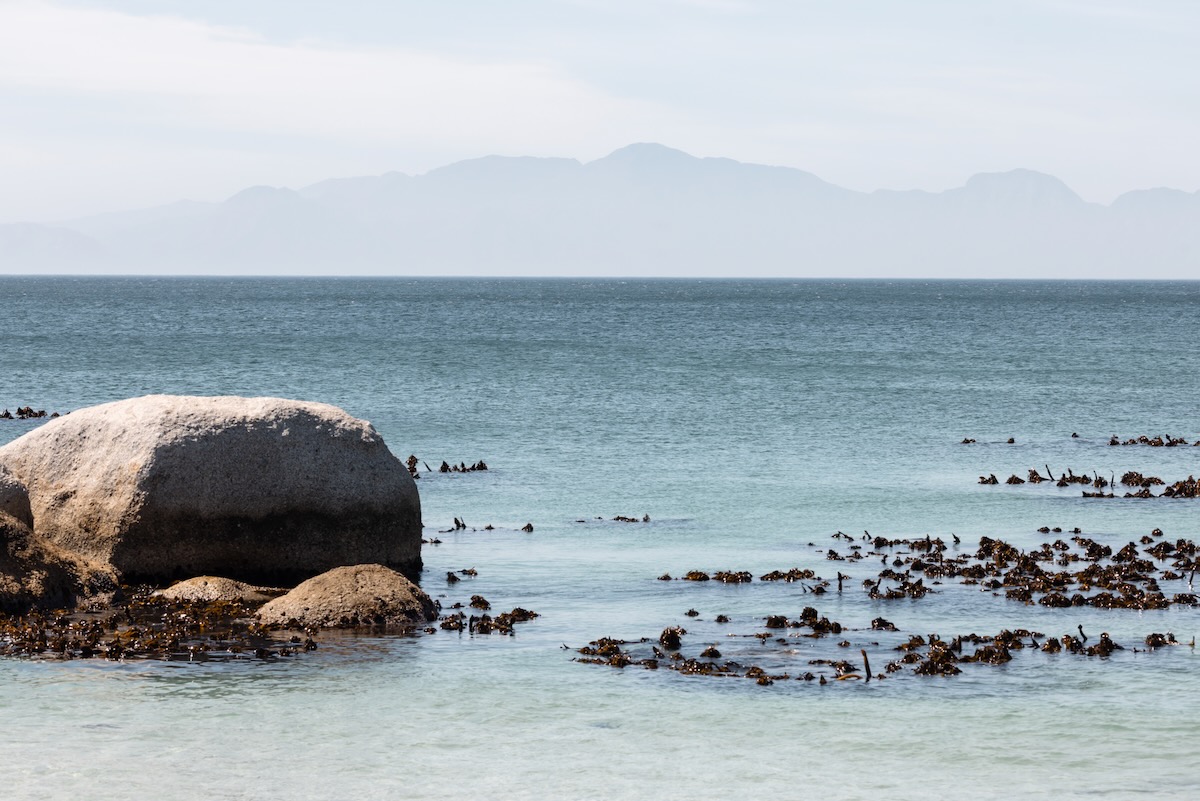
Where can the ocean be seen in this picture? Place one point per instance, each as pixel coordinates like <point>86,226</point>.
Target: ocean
<point>751,421</point>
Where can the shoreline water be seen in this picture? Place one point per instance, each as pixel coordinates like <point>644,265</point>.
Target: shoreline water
<point>748,420</point>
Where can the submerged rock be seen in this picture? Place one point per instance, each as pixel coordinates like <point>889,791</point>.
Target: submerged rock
<point>257,489</point>
<point>360,595</point>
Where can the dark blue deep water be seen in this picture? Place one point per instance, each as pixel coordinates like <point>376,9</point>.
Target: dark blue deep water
<point>748,419</point>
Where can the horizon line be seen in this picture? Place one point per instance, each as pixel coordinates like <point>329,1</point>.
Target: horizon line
<point>606,278</point>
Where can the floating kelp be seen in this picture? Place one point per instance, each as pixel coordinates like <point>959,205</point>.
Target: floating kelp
<point>27,413</point>
<point>1136,479</point>
<point>907,588</point>
<point>460,524</point>
<point>733,576</point>
<point>1056,574</point>
<point>150,627</point>
<point>1082,572</point>
<point>795,574</point>
<point>462,467</point>
<point>1165,441</point>
<point>1187,488</point>
<point>1156,640</point>
<point>670,637</point>
<point>485,624</point>
<point>1072,571</point>
<point>617,519</point>
<point>922,655</point>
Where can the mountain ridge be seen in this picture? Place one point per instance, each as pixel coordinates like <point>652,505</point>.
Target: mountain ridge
<point>644,209</point>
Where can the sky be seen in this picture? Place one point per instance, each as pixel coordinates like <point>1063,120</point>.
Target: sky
<point>120,104</point>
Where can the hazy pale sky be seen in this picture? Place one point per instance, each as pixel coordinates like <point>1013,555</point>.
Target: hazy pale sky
<point>116,104</point>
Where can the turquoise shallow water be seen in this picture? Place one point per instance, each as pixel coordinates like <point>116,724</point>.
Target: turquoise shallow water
<point>748,419</point>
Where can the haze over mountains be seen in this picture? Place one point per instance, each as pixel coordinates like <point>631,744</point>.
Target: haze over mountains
<point>644,210</point>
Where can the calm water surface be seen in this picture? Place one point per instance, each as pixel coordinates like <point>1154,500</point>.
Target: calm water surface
<point>748,419</point>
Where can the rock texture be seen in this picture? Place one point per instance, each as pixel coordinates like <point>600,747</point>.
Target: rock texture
<point>263,490</point>
<point>35,574</point>
<point>14,498</point>
<point>206,589</point>
<point>360,595</point>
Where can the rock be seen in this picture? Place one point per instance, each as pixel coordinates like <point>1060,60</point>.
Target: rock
<point>361,595</point>
<point>204,589</point>
<point>14,498</point>
<point>35,574</point>
<point>263,490</point>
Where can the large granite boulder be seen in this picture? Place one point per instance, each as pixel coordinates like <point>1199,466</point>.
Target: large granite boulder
<point>359,595</point>
<point>264,490</point>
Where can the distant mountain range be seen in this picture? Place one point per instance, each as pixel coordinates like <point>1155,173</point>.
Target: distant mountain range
<point>644,210</point>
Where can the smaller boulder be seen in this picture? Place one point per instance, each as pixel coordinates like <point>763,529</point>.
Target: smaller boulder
<point>209,589</point>
<point>346,597</point>
<point>36,575</point>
